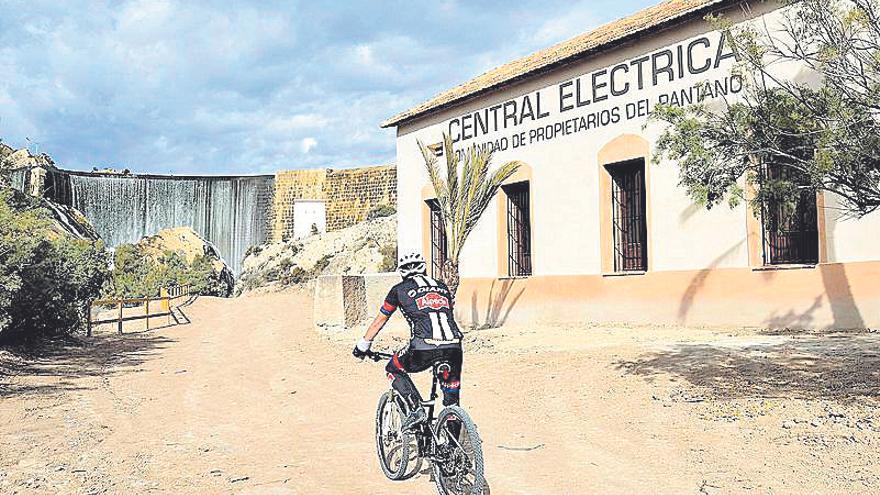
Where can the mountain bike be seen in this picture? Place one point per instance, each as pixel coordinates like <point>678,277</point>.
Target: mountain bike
<point>450,442</point>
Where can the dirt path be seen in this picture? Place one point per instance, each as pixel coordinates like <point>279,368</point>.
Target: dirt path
<point>250,399</point>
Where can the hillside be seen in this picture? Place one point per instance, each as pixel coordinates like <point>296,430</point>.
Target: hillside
<point>366,247</point>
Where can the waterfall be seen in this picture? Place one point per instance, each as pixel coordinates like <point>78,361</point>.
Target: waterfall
<point>230,212</point>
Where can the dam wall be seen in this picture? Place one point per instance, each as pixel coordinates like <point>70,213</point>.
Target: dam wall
<point>232,212</point>
<point>349,195</point>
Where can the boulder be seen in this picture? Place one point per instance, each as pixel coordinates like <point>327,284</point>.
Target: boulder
<point>23,159</point>
<point>5,150</point>
<point>188,243</point>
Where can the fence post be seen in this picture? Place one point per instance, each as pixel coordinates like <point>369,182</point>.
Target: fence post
<point>165,302</point>
<point>147,312</point>
<point>89,319</point>
<point>119,324</point>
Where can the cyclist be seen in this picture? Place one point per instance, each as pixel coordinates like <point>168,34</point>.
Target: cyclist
<point>435,338</point>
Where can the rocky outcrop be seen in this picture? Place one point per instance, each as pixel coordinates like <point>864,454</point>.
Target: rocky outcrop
<point>366,247</point>
<point>5,150</point>
<point>66,220</point>
<point>71,220</point>
<point>14,159</point>
<point>185,241</point>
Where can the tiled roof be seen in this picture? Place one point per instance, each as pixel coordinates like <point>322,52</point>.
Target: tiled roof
<point>640,22</point>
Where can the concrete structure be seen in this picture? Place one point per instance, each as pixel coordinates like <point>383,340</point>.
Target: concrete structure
<point>576,114</point>
<point>311,215</point>
<point>346,301</point>
<point>349,196</point>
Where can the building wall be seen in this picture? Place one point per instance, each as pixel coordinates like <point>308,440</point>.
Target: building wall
<point>687,244</point>
<point>829,296</point>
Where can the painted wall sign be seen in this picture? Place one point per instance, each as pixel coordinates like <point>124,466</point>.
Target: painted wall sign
<point>676,76</point>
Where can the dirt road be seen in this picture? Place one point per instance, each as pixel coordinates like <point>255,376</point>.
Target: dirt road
<point>248,398</point>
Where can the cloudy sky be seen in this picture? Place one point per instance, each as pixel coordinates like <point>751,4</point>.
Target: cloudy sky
<point>216,87</point>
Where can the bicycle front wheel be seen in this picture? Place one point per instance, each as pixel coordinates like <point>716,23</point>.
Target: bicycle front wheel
<point>392,445</point>
<point>458,469</point>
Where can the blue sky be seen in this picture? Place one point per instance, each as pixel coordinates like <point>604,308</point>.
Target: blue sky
<point>217,87</point>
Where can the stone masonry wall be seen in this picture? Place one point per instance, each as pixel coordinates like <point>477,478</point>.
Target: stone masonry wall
<point>291,185</point>
<point>351,194</point>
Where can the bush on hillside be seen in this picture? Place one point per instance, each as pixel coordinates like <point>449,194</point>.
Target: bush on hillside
<point>389,258</point>
<point>47,278</point>
<point>380,211</point>
<point>137,274</point>
<point>253,250</point>
<point>321,265</point>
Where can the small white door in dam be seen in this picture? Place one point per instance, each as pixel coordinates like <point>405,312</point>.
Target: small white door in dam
<point>308,214</point>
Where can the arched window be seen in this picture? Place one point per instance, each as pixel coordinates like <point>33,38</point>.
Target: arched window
<point>791,233</point>
<point>438,238</point>
<point>629,221</point>
<point>519,229</point>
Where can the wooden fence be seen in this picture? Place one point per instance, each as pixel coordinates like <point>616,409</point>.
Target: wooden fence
<point>165,301</point>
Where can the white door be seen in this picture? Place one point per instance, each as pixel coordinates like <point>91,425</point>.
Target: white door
<point>308,215</point>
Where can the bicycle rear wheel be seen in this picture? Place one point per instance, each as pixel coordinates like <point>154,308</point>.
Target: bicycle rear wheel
<point>459,469</point>
<point>392,445</point>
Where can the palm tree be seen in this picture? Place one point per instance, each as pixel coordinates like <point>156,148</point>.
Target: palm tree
<point>463,198</point>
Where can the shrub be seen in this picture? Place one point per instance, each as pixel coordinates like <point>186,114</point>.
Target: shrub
<point>47,277</point>
<point>137,274</point>
<point>250,281</point>
<point>321,264</point>
<point>254,250</point>
<point>285,264</point>
<point>389,258</point>
<point>380,211</point>
<point>295,276</point>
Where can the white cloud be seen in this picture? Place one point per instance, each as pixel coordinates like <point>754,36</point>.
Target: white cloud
<point>364,54</point>
<point>307,144</point>
<point>197,86</point>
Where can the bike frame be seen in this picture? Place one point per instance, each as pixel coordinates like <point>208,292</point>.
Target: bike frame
<point>427,440</point>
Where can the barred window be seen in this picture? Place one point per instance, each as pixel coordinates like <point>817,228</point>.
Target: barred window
<point>438,238</point>
<point>791,233</point>
<point>629,224</point>
<point>519,230</point>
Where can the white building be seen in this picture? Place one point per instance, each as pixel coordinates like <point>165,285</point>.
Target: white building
<point>590,230</point>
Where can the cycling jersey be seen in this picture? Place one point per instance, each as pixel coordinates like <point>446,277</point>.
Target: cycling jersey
<point>427,306</point>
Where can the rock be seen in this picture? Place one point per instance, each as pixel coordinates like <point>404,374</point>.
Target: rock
<point>66,219</point>
<point>366,247</point>
<point>70,220</point>
<point>11,160</point>
<point>189,244</point>
<point>789,424</point>
<point>5,150</point>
